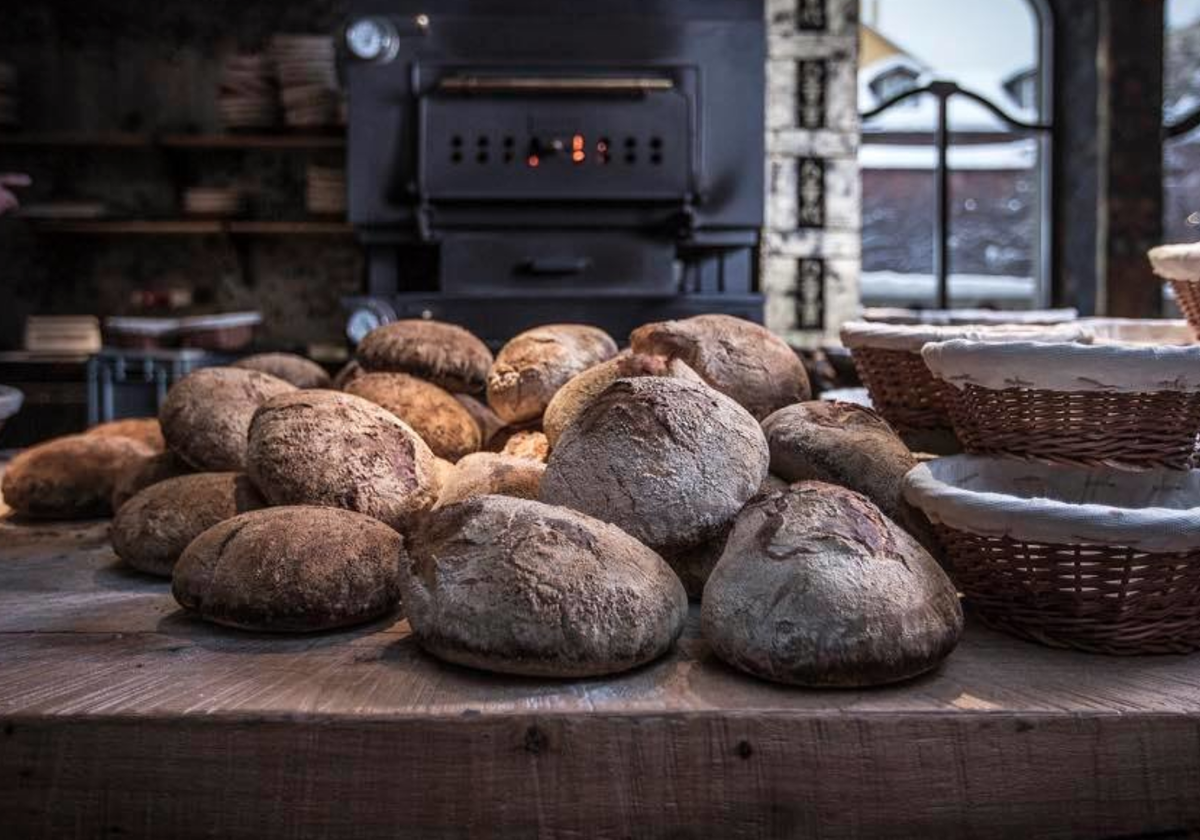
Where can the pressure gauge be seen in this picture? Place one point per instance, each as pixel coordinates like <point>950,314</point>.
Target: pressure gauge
<point>372,39</point>
<point>369,315</point>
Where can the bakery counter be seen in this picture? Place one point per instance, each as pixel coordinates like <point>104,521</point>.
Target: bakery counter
<point>121,716</point>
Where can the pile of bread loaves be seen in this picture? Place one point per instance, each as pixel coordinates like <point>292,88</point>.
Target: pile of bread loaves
<point>545,512</point>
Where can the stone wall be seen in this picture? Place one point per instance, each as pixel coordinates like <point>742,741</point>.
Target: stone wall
<point>812,244</point>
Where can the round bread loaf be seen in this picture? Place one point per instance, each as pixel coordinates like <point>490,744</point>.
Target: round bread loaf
<point>442,470</point>
<point>487,421</point>
<point>669,461</point>
<point>299,371</point>
<point>443,354</point>
<point>146,472</point>
<point>851,446</point>
<point>585,387</point>
<point>433,413</point>
<point>518,587</point>
<point>145,430</point>
<point>339,450</point>
<point>155,526</point>
<point>531,368</point>
<point>349,372</point>
<point>741,359</point>
<point>207,414</point>
<point>527,443</point>
<point>817,587</point>
<point>69,477</point>
<point>488,474</point>
<point>291,569</point>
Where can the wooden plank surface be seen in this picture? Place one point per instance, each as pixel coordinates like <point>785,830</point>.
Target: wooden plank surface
<point>120,715</point>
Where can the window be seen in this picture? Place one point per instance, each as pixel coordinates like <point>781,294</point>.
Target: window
<point>997,222</point>
<point>1181,104</point>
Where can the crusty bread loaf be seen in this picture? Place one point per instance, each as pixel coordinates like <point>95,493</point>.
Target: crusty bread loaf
<point>69,477</point>
<point>490,473</point>
<point>145,430</point>
<point>349,372</point>
<point>301,372</point>
<point>816,587</point>
<point>519,587</point>
<point>207,414</point>
<point>443,354</point>
<point>741,359</point>
<point>146,472</point>
<point>527,443</point>
<point>433,413</point>
<point>531,368</point>
<point>154,527</point>
<point>487,421</point>
<point>291,569</point>
<point>336,449</point>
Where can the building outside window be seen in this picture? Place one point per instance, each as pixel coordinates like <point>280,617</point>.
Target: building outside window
<point>1181,99</point>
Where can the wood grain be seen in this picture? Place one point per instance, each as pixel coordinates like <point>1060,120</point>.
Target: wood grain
<point>119,715</point>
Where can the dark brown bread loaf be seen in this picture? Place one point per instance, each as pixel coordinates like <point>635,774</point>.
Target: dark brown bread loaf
<point>155,526</point>
<point>349,372</point>
<point>851,446</point>
<point>519,587</point>
<point>817,587</point>
<point>578,393</point>
<point>301,372</point>
<point>531,368</point>
<point>146,472</point>
<point>207,414</point>
<point>145,430</point>
<point>490,473</point>
<point>669,461</point>
<point>339,450</point>
<point>487,421</point>
<point>433,413</point>
<point>69,477</point>
<point>291,569</point>
<point>443,354</point>
<point>742,360</point>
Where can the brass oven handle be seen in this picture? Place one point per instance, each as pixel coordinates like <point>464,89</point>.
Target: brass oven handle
<point>555,84</point>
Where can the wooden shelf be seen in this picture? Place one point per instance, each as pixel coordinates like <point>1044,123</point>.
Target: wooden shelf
<point>122,140</point>
<point>192,227</point>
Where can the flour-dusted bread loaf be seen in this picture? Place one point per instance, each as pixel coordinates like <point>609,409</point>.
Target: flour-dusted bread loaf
<point>154,527</point>
<point>491,473</point>
<point>146,472</point>
<point>741,359</point>
<point>145,430</point>
<point>487,421</point>
<point>851,446</point>
<point>349,372</point>
<point>574,396</point>
<point>818,588</point>
<point>69,477</point>
<point>301,372</point>
<point>291,569</point>
<point>519,587</point>
<point>433,413</point>
<point>207,414</point>
<point>527,443</point>
<point>339,450</point>
<point>443,354</point>
<point>669,461</point>
<point>531,368</point>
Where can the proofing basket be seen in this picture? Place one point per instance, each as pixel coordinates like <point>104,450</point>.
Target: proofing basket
<point>1136,405</point>
<point>1179,265</point>
<point>888,359</point>
<point>1153,331</point>
<point>1091,558</point>
<point>969,317</point>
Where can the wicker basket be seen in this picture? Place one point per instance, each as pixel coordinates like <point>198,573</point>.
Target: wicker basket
<point>888,359</point>
<point>1151,331</point>
<point>969,317</point>
<point>1095,559</point>
<point>1069,402</point>
<point>1179,265</point>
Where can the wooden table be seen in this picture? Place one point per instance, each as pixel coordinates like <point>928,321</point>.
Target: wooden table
<point>122,717</point>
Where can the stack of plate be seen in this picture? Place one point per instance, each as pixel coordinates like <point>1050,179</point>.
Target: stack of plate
<point>326,194</point>
<point>247,97</point>
<point>8,96</point>
<point>304,65</point>
<point>212,201</point>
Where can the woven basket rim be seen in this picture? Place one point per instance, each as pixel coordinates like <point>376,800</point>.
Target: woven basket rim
<point>1179,262</point>
<point>1024,500</point>
<point>1163,331</point>
<point>968,317</point>
<point>1070,367</point>
<point>911,338</point>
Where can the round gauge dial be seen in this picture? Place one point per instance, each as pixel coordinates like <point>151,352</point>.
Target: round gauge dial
<point>369,39</point>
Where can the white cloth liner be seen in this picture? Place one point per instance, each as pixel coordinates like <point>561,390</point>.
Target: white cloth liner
<point>1176,262</point>
<point>1029,501</point>
<point>1139,330</point>
<point>1065,366</point>
<point>966,317</point>
<point>912,338</point>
